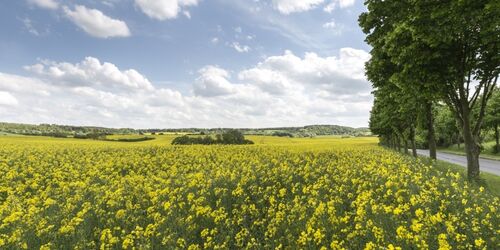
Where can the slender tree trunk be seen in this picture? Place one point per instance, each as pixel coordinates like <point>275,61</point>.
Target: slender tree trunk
<point>497,145</point>
<point>431,137</point>
<point>412,141</point>
<point>472,147</point>
<point>406,145</point>
<point>398,143</point>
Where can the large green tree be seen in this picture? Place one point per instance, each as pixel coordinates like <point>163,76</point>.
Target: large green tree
<point>448,50</point>
<point>382,18</point>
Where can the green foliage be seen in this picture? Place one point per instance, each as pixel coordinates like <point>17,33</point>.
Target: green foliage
<point>132,139</point>
<point>99,132</point>
<point>435,51</point>
<point>447,129</point>
<point>230,137</point>
<point>54,130</point>
<point>282,134</point>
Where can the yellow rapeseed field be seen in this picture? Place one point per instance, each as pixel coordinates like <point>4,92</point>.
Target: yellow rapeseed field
<point>317,193</point>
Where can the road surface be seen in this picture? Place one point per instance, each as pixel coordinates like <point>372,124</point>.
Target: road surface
<point>486,165</point>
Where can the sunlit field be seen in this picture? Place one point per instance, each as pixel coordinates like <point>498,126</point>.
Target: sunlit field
<point>281,193</point>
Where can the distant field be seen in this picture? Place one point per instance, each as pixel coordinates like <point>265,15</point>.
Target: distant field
<point>320,142</point>
<point>300,193</point>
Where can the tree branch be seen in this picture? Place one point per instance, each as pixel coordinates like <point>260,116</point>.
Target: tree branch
<point>488,90</point>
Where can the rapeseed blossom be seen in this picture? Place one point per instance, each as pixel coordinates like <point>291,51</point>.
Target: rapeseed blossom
<point>265,196</point>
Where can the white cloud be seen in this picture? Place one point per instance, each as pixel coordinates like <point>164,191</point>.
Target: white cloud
<point>240,48</point>
<point>95,23</point>
<point>215,40</point>
<point>291,6</point>
<point>28,24</point>
<point>334,28</point>
<point>334,4</point>
<point>164,9</point>
<point>212,82</point>
<point>338,75</point>
<point>46,4</point>
<point>91,72</point>
<point>281,90</point>
<point>7,99</point>
<point>330,25</point>
<point>267,80</point>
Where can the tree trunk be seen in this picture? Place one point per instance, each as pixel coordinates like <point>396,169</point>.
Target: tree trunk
<point>398,144</point>
<point>412,141</point>
<point>431,137</point>
<point>406,146</point>
<point>472,147</point>
<point>497,145</point>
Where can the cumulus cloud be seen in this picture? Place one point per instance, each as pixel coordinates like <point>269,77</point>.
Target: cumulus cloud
<point>291,6</point>
<point>281,90</point>
<point>165,9</point>
<point>213,81</point>
<point>46,4</point>
<point>340,75</point>
<point>338,4</point>
<point>267,80</point>
<point>7,99</point>
<point>95,23</point>
<point>91,72</point>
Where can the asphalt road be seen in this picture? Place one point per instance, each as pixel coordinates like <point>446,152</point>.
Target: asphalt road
<point>490,166</point>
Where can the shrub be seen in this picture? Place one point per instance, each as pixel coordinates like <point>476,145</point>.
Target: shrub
<point>282,134</point>
<point>231,137</point>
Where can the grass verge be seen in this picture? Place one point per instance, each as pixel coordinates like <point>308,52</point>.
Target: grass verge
<point>491,182</point>
<point>483,155</point>
<point>486,154</point>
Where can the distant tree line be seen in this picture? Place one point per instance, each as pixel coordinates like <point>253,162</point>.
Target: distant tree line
<point>146,138</point>
<point>55,130</point>
<point>230,137</point>
<point>84,132</point>
<point>282,134</point>
<point>428,54</point>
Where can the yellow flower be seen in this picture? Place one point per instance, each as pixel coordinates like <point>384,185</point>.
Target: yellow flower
<point>479,242</point>
<point>443,242</point>
<point>392,247</point>
<point>120,214</point>
<point>419,213</point>
<point>397,211</point>
<point>282,192</point>
<point>370,246</point>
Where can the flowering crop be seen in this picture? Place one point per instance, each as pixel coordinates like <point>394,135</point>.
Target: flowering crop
<point>301,193</point>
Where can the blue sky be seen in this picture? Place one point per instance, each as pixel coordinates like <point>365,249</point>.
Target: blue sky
<point>183,63</point>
